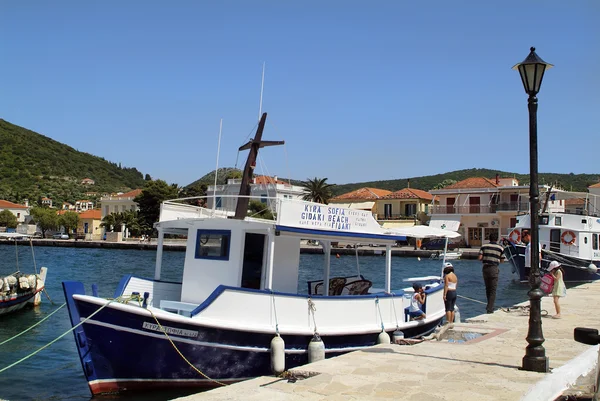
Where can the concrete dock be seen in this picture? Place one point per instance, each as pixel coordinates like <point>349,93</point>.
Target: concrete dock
<point>484,368</point>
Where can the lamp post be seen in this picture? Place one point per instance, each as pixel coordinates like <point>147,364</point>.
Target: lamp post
<point>532,71</point>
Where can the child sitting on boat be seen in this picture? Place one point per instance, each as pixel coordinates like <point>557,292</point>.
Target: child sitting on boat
<point>417,300</point>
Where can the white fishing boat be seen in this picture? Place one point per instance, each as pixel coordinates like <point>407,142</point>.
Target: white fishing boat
<point>240,310</point>
<point>18,289</point>
<point>449,255</point>
<point>571,237</point>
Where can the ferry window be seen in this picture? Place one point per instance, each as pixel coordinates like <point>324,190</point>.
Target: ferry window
<point>595,242</point>
<point>543,220</point>
<point>585,240</point>
<point>213,244</point>
<point>558,221</point>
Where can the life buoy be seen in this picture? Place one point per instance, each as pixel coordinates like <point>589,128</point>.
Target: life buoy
<point>515,235</point>
<point>567,234</point>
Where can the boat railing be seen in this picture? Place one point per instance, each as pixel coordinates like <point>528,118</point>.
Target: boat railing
<point>197,206</point>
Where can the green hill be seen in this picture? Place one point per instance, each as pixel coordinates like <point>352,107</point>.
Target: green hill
<point>569,182</point>
<point>34,166</point>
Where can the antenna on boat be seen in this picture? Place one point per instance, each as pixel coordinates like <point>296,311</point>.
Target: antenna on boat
<point>262,85</point>
<point>217,169</point>
<point>253,145</point>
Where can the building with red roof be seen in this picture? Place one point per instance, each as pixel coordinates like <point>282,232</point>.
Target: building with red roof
<point>478,206</point>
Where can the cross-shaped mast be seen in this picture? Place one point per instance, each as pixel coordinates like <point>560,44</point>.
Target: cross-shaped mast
<point>241,209</point>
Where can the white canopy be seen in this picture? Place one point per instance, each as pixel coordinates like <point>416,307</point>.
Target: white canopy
<point>424,232</point>
<point>445,223</point>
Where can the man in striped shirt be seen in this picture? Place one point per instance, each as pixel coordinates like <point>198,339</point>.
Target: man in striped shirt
<point>491,255</point>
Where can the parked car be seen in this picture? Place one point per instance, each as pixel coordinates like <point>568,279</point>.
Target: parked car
<point>60,236</point>
<point>437,244</point>
<point>37,234</point>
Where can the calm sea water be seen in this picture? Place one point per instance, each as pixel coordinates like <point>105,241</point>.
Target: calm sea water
<point>55,373</point>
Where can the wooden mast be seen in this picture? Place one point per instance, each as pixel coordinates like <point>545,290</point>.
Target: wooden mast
<point>241,209</point>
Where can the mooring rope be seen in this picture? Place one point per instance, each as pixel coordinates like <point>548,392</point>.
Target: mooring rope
<point>57,338</point>
<point>471,299</point>
<point>312,308</point>
<point>275,312</point>
<point>138,298</point>
<point>380,316</point>
<point>37,324</point>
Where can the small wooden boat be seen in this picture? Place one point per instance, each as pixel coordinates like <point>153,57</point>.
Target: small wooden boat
<point>19,289</point>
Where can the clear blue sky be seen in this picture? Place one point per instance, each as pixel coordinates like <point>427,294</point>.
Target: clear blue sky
<point>358,90</point>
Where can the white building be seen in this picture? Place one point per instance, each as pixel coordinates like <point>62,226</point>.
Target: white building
<point>119,203</point>
<point>477,206</point>
<point>83,206</point>
<point>21,212</point>
<point>263,188</point>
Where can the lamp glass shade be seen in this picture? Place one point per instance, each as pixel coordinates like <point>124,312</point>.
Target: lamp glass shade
<point>532,72</point>
<point>531,75</point>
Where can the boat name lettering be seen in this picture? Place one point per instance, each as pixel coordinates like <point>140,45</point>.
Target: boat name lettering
<point>170,330</point>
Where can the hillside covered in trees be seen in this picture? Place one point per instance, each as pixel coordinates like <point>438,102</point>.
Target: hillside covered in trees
<point>34,166</point>
<point>568,182</point>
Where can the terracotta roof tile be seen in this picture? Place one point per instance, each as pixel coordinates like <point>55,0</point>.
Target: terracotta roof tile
<point>473,182</point>
<point>95,214</point>
<point>264,179</point>
<point>596,185</point>
<point>9,205</point>
<point>410,193</point>
<point>130,194</point>
<point>363,194</point>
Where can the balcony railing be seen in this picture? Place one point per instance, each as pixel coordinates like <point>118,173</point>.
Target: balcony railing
<point>393,217</point>
<point>467,209</point>
<point>513,206</point>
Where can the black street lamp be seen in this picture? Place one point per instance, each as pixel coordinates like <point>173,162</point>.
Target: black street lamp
<point>532,71</point>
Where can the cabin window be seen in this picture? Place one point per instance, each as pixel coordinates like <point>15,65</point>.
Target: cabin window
<point>543,220</point>
<point>558,221</point>
<point>585,240</point>
<point>595,242</point>
<point>213,244</point>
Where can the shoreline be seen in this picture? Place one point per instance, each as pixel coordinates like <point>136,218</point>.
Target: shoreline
<point>180,245</point>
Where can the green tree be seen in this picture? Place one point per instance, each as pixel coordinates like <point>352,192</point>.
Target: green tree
<point>445,183</point>
<point>233,174</point>
<point>153,194</point>
<point>108,222</point>
<point>196,190</point>
<point>130,219</point>
<point>259,209</point>
<point>317,190</point>
<point>7,219</point>
<point>45,218</point>
<point>69,221</point>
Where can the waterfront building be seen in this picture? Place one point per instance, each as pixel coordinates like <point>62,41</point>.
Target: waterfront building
<point>361,199</point>
<point>478,206</point>
<point>89,225</point>
<point>21,212</point>
<point>263,188</point>
<point>406,207</point>
<point>119,203</point>
<point>47,202</point>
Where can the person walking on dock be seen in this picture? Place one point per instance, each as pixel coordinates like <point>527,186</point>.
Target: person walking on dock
<point>491,256</point>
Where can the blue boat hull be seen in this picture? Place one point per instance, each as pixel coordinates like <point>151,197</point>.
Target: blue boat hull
<point>575,269</point>
<point>121,351</point>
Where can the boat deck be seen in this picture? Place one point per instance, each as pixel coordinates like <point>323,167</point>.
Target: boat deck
<point>484,368</point>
